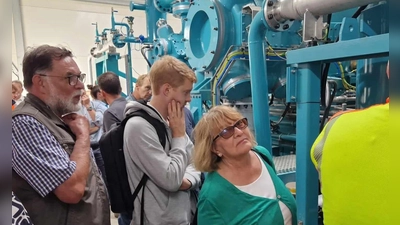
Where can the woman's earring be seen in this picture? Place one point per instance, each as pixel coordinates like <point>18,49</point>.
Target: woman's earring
<point>219,155</point>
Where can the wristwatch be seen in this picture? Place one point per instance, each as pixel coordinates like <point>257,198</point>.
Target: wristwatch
<point>89,108</point>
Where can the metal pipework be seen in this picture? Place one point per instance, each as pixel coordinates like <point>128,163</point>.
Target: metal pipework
<point>295,9</point>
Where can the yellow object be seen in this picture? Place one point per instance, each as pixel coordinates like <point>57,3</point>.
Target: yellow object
<point>358,168</point>
<point>292,187</point>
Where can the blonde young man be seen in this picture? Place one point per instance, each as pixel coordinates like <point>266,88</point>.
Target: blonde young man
<point>167,196</point>
<point>142,89</point>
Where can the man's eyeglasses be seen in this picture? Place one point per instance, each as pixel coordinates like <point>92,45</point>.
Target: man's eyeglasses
<point>72,79</point>
<point>229,131</point>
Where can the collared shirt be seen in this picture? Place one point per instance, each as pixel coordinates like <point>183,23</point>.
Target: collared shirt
<point>98,122</point>
<point>19,100</point>
<point>99,106</point>
<point>37,156</point>
<point>131,98</point>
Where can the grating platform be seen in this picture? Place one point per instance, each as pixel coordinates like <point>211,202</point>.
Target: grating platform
<point>285,164</point>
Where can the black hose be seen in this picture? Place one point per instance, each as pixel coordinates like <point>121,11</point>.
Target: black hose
<point>205,105</point>
<point>274,125</point>
<point>328,107</point>
<point>272,99</point>
<point>144,54</point>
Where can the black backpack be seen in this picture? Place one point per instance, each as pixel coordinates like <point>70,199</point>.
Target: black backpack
<point>111,147</point>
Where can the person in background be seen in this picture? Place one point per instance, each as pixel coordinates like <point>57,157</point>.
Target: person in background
<point>167,194</point>
<point>13,91</point>
<point>189,122</point>
<point>110,88</point>
<point>142,89</point>
<point>242,186</point>
<point>95,118</point>
<point>18,97</point>
<point>357,167</point>
<point>53,169</point>
<point>98,101</point>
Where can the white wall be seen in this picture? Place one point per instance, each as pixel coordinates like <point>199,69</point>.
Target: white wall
<point>14,55</point>
<point>69,23</point>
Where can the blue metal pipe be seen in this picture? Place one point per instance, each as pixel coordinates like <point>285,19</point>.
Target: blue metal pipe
<point>129,58</point>
<point>285,137</point>
<point>152,15</point>
<point>123,25</point>
<point>135,6</point>
<point>259,83</point>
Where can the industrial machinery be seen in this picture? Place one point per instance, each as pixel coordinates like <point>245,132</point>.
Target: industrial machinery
<point>286,65</point>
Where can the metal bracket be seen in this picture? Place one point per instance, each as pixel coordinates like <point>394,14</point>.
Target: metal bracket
<point>251,9</point>
<point>366,29</point>
<point>312,27</point>
<point>291,80</point>
<point>349,30</point>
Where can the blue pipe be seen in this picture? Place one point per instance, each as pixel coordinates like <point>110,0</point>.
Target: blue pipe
<point>223,76</point>
<point>285,137</point>
<point>124,25</point>
<point>130,85</point>
<point>259,83</point>
<point>152,15</point>
<point>134,6</point>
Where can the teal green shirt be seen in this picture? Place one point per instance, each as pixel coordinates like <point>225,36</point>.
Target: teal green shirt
<point>220,202</point>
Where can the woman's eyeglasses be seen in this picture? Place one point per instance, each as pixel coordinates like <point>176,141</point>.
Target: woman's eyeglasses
<point>229,131</point>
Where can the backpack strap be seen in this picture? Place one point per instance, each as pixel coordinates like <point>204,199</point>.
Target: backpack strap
<point>161,133</point>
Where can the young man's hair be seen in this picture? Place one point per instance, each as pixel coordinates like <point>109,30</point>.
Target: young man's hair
<point>40,60</point>
<point>109,83</point>
<point>169,70</point>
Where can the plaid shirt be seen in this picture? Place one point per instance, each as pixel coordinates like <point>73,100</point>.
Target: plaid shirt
<point>37,156</point>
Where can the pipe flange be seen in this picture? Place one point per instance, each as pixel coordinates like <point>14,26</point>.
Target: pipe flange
<point>180,9</point>
<point>163,6</point>
<point>161,47</point>
<point>116,39</point>
<point>274,22</point>
<point>203,34</point>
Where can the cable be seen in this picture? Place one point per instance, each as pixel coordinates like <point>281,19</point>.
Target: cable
<point>135,71</point>
<point>144,55</point>
<point>346,85</point>
<point>272,99</point>
<point>273,124</point>
<point>326,111</point>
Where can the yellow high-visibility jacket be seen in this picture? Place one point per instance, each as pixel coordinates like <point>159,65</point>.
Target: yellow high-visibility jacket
<point>357,169</point>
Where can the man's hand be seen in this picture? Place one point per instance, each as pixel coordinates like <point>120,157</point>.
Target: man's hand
<point>176,118</point>
<point>186,185</point>
<point>79,124</point>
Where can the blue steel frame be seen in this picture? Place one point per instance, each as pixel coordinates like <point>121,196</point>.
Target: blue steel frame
<point>306,68</point>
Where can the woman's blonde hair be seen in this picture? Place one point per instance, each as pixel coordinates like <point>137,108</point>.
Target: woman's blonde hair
<point>209,126</point>
<point>169,70</point>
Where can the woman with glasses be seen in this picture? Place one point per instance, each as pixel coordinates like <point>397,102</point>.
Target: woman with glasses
<point>241,186</point>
